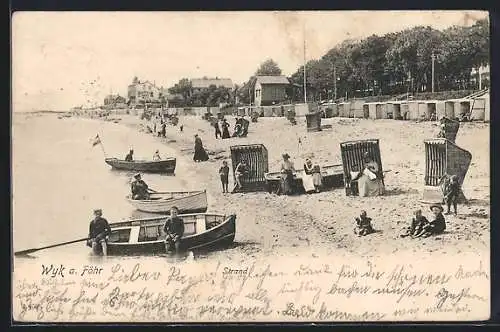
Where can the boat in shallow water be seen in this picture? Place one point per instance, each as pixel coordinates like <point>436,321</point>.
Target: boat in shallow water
<point>147,166</point>
<point>202,231</point>
<point>185,201</point>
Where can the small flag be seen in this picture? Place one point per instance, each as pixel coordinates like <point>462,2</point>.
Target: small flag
<point>96,140</point>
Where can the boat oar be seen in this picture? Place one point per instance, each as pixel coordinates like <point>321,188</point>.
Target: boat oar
<point>152,191</point>
<point>29,251</point>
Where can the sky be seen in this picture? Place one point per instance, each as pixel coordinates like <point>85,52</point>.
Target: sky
<point>65,59</point>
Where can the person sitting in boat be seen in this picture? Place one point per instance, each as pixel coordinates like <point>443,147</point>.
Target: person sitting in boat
<point>174,230</point>
<point>287,172</point>
<point>311,179</point>
<point>369,179</point>
<point>99,232</point>
<point>139,188</point>
<point>156,156</point>
<point>240,171</point>
<point>130,156</point>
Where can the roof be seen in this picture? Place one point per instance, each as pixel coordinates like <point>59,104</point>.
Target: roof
<point>272,80</point>
<point>206,82</point>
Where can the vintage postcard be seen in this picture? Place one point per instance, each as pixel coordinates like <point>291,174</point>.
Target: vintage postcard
<point>314,166</point>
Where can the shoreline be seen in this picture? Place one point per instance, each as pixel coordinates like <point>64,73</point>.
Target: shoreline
<point>267,223</point>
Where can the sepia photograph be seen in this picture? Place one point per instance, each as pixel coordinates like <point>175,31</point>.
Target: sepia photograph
<point>250,166</point>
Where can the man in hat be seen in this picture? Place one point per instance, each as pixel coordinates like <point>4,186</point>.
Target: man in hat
<point>99,232</point>
<point>139,188</point>
<point>438,224</point>
<point>130,156</point>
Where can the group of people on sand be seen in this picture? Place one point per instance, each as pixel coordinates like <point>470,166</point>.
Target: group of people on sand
<point>240,128</point>
<point>100,231</point>
<point>420,226</point>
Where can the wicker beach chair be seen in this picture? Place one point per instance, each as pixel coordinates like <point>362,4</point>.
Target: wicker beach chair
<point>257,161</point>
<point>352,159</point>
<point>443,158</point>
<point>313,121</point>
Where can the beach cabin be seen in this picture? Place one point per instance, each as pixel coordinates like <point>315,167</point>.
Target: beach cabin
<point>373,111</point>
<point>405,110</point>
<point>330,110</point>
<point>382,111</point>
<point>357,110</point>
<point>344,109</point>
<point>486,107</point>
<point>366,111</point>
<point>394,108</point>
<point>256,159</point>
<point>413,110</point>
<point>313,121</point>
<point>425,110</point>
<point>462,108</point>
<point>449,109</point>
<point>477,109</point>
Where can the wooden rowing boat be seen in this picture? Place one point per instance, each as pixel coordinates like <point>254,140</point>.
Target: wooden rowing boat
<point>148,166</point>
<point>201,232</point>
<point>332,177</point>
<point>186,202</point>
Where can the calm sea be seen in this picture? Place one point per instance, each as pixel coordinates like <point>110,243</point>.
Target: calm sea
<point>59,178</point>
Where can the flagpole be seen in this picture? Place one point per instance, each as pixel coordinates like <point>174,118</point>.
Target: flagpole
<point>102,146</point>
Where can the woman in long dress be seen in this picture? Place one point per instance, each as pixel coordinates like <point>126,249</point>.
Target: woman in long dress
<point>199,152</point>
<point>225,129</point>
<point>370,179</point>
<point>287,170</point>
<point>311,179</point>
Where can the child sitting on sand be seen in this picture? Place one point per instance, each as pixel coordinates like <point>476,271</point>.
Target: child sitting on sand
<point>418,223</point>
<point>363,225</point>
<point>437,225</point>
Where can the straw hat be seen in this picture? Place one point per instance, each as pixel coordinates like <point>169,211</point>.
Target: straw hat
<point>138,175</point>
<point>437,206</point>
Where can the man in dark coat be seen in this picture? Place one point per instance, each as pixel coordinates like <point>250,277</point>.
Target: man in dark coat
<point>139,188</point>
<point>174,230</point>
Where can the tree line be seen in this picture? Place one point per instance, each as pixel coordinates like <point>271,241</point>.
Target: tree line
<point>400,63</point>
<point>395,63</point>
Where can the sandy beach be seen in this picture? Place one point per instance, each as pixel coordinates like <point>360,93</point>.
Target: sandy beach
<point>324,221</point>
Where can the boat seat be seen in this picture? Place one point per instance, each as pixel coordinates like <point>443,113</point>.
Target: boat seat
<point>200,224</point>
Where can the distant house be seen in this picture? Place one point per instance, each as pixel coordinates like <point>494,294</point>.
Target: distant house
<point>269,90</point>
<point>143,92</point>
<point>199,84</point>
